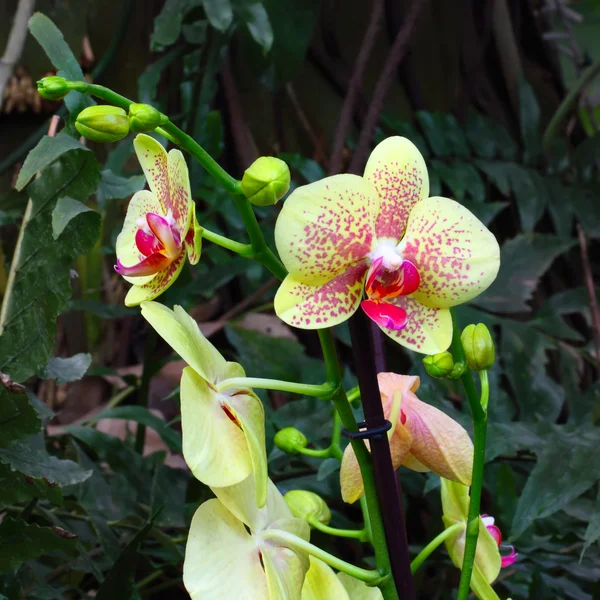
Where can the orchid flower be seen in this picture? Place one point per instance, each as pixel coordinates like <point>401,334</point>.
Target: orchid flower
<point>160,227</point>
<point>223,430</point>
<point>359,590</point>
<point>233,551</point>
<point>422,437</point>
<point>414,256</point>
<point>488,561</point>
<point>321,583</point>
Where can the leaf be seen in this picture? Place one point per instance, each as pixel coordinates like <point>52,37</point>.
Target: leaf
<point>219,13</point>
<point>498,173</point>
<point>256,19</point>
<point>65,370</point>
<point>167,25</point>
<point>480,135</point>
<point>65,210</point>
<point>327,467</point>
<point>560,206</point>
<point>148,80</point>
<point>462,179</point>
<point>45,153</point>
<point>104,311</point>
<point>430,125</point>
<point>530,193</point>
<point>22,541</point>
<point>524,259</point>
<point>309,169</point>
<point>23,457</point>
<point>41,266</point>
<point>112,187</point>
<point>17,488</point>
<point>169,487</point>
<point>486,212</point>
<point>18,418</point>
<point>592,533</point>
<point>529,121</point>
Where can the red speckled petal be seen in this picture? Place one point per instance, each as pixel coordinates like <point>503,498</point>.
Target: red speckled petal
<point>180,198</point>
<point>162,230</point>
<point>314,307</point>
<point>398,172</point>
<point>456,255</point>
<point>193,239</point>
<point>153,160</point>
<point>149,266</point>
<point>428,330</point>
<point>325,227</point>
<point>147,243</point>
<point>384,314</point>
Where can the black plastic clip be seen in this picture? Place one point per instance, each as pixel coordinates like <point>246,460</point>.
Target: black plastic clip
<point>368,433</point>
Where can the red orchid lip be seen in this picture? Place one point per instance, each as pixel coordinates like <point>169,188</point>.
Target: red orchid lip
<point>149,266</point>
<point>385,284</point>
<point>385,314</point>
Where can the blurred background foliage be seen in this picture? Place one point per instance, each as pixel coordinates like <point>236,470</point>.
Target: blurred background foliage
<point>474,84</point>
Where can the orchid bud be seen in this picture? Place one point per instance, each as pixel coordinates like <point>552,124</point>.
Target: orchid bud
<point>102,123</point>
<point>439,365</point>
<point>458,370</point>
<point>266,181</point>
<point>290,440</point>
<point>308,506</point>
<point>143,117</point>
<point>479,346</point>
<point>53,88</point>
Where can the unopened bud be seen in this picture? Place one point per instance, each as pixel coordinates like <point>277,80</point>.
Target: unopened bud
<point>308,506</point>
<point>102,123</point>
<point>53,88</point>
<point>266,181</point>
<point>290,440</point>
<point>479,346</point>
<point>439,365</point>
<point>143,117</point>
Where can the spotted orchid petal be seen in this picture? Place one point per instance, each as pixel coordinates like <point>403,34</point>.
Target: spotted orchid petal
<point>180,193</point>
<point>456,255</point>
<point>427,330</point>
<point>359,590</point>
<point>313,307</point>
<point>326,227</point>
<point>321,582</point>
<point>193,239</point>
<point>397,170</point>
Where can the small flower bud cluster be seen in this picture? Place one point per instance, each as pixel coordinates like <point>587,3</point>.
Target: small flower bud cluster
<point>479,346</point>
<point>442,365</point>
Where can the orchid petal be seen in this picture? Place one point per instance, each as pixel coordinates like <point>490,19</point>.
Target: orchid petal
<point>221,558</point>
<point>325,227</point>
<point>321,582</point>
<point>162,230</point>
<point>193,238</point>
<point>494,532</point>
<point>481,587</point>
<point>509,559</point>
<point>182,333</point>
<point>392,382</point>
<point>410,462</point>
<point>315,307</point>
<point>428,330</point>
<point>127,250</point>
<point>454,252</point>
<point>150,265</point>
<point>147,243</point>
<point>386,315</point>
<point>383,283</point>
<point>157,285</point>
<point>154,162</point>
<point>359,590</point>
<point>398,172</point>
<point>214,447</point>
<point>180,196</point>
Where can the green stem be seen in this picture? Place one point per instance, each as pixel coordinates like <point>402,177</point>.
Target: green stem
<point>341,405</point>
<point>433,544</point>
<point>570,99</point>
<point>366,519</point>
<point>144,389</point>
<point>324,453</point>
<point>147,580</point>
<point>323,391</point>
<point>479,416</point>
<point>335,450</point>
<point>353,394</point>
<point>357,534</point>
<point>244,250</point>
<point>293,541</point>
<point>485,389</point>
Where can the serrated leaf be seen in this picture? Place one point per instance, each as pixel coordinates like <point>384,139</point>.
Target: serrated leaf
<point>16,488</point>
<point>65,210</point>
<point>22,541</point>
<point>524,259</point>
<point>113,187</point>
<point>529,114</point>
<point>498,173</point>
<point>219,13</point>
<point>65,370</point>
<point>20,421</point>
<point>169,487</point>
<point>462,179</point>
<point>480,135</point>
<point>530,194</point>
<point>560,206</point>
<point>167,25</point>
<point>592,533</point>
<point>430,125</point>
<point>486,212</point>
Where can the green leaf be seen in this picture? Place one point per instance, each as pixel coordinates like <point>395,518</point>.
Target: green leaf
<point>167,25</point>
<point>530,193</point>
<point>327,467</point>
<point>195,33</point>
<point>486,212</point>
<point>430,124</point>
<point>480,135</point>
<point>45,153</point>
<point>529,121</point>
<point>18,418</point>
<point>65,370</point>
<point>17,488</point>
<point>219,13</point>
<point>498,173</point>
<point>462,179</point>
<point>65,210</point>
<point>40,283</point>
<point>112,187</point>
<point>524,259</point>
<point>560,206</point>
<point>309,169</point>
<point>22,541</point>
<point>256,19</point>
<point>148,80</point>
<point>592,533</point>
<point>169,488</point>
<point>407,130</point>
<point>104,311</point>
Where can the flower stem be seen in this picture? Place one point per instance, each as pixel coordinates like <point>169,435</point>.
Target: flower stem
<point>433,544</point>
<point>244,250</point>
<point>358,534</point>
<point>479,416</point>
<point>324,390</point>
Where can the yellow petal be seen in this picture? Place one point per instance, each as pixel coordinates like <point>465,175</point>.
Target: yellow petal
<point>321,583</point>
<point>455,502</point>
<point>214,447</point>
<point>155,164</point>
<point>140,205</point>
<point>325,227</point>
<point>398,172</point>
<point>359,590</point>
<point>182,333</point>
<point>221,558</point>
<point>428,330</point>
<point>480,586</point>
<point>180,196</point>
<point>159,283</point>
<point>439,442</point>
<point>194,238</point>
<point>410,462</point>
<point>315,307</point>
<point>456,255</point>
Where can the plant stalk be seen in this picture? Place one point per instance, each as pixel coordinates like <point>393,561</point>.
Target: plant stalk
<point>433,544</point>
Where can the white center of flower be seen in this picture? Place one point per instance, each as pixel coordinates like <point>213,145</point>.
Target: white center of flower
<point>488,521</point>
<point>143,225</point>
<point>387,250</point>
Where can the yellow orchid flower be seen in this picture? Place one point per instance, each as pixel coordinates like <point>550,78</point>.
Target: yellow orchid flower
<point>321,583</point>
<point>223,430</point>
<point>422,437</point>
<point>230,555</point>
<point>358,590</point>
<point>488,560</point>
<point>415,256</point>
<point>160,227</point>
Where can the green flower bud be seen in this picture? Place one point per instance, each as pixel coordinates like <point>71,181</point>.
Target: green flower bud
<point>102,123</point>
<point>53,88</point>
<point>308,506</point>
<point>266,181</point>
<point>458,370</point>
<point>439,365</point>
<point>479,346</point>
<point>290,440</point>
<point>143,117</point>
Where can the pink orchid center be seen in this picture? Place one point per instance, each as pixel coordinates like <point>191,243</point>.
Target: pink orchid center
<point>158,234</point>
<point>509,559</point>
<point>390,275</point>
